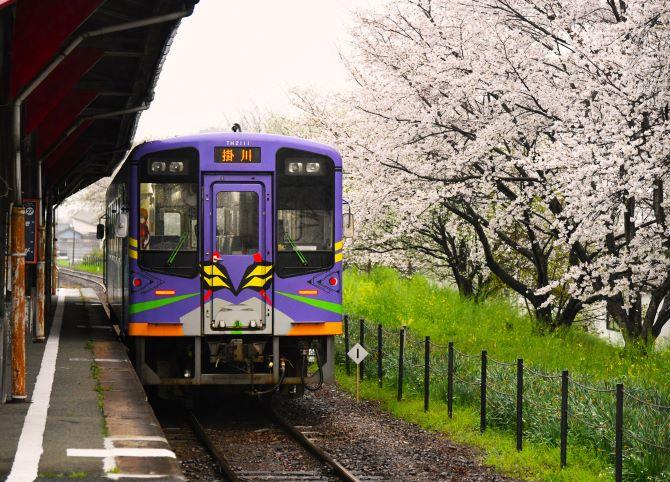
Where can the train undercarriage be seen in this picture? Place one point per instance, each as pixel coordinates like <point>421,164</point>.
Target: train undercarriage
<point>258,364</point>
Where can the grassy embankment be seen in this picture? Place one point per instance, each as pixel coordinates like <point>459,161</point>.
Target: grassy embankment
<point>385,297</point>
<point>95,268</point>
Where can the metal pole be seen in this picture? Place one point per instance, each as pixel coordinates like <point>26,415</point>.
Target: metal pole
<point>347,361</point>
<point>519,404</point>
<point>358,382</point>
<point>426,376</point>
<point>18,304</point>
<point>564,418</point>
<point>41,246</point>
<point>73,245</point>
<point>618,449</point>
<point>401,362</point>
<point>54,259</point>
<point>380,354</point>
<point>482,395</point>
<point>450,380</point>
<point>361,340</point>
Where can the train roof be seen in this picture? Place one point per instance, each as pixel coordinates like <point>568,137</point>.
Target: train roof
<point>236,139</point>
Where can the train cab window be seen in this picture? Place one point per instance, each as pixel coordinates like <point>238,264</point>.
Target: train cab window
<point>237,222</point>
<point>305,206</point>
<point>168,212</point>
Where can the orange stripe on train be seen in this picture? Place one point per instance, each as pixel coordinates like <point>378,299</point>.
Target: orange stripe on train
<point>155,329</point>
<point>316,329</point>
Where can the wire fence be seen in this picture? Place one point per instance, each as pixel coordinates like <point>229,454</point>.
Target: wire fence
<point>630,427</point>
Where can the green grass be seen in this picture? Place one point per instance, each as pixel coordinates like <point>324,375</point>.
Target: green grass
<point>536,461</point>
<point>63,475</point>
<point>383,296</point>
<point>95,268</point>
<point>99,389</point>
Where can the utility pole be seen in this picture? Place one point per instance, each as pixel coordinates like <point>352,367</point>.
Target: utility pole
<point>73,242</point>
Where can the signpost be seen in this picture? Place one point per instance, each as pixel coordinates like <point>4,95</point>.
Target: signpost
<point>358,354</point>
<point>31,223</point>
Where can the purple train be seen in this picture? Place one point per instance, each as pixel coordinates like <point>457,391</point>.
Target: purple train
<point>224,260</point>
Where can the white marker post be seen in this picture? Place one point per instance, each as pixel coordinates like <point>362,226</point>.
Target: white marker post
<point>358,354</point>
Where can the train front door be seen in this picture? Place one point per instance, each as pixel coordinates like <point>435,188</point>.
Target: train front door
<point>237,255</point>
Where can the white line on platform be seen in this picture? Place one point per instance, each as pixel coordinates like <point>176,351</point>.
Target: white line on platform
<point>29,449</point>
<point>116,360</point>
<point>114,476</point>
<point>121,452</point>
<point>138,438</point>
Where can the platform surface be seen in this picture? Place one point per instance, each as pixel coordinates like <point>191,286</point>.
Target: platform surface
<point>87,416</point>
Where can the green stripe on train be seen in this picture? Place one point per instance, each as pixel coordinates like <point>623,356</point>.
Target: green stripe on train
<point>324,305</point>
<point>153,304</point>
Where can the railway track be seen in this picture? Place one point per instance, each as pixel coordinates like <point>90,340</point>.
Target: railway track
<point>90,277</point>
<point>330,469</point>
<point>247,444</point>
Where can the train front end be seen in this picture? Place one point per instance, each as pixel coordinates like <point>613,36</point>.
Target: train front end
<point>233,274</point>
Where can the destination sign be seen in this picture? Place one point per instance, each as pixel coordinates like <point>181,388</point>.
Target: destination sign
<point>238,155</point>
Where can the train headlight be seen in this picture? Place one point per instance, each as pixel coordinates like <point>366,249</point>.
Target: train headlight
<point>158,166</point>
<point>176,166</point>
<point>294,167</point>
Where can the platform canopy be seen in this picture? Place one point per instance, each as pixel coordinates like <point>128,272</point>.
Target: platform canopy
<point>80,120</point>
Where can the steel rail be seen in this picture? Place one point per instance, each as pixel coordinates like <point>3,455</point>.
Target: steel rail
<point>317,451</point>
<point>219,458</point>
<point>91,278</point>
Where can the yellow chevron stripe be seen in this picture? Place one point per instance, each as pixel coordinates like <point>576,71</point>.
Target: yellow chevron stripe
<point>256,282</point>
<point>133,242</point>
<point>338,257</point>
<point>132,253</point>
<point>215,281</point>
<point>212,270</point>
<point>260,271</point>
<point>339,245</point>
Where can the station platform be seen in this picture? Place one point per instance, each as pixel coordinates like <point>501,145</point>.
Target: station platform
<point>87,415</point>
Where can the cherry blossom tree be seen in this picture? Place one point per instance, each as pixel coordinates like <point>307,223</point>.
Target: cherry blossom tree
<point>541,124</point>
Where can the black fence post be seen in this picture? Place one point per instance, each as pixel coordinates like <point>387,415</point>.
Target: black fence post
<point>401,362</point>
<point>426,376</point>
<point>361,340</point>
<point>482,395</point>
<point>380,353</point>
<point>450,380</point>
<point>519,404</point>
<point>618,449</point>
<point>564,418</point>
<point>347,361</point>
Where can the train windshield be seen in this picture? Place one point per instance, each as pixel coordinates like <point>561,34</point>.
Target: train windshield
<point>305,205</point>
<point>168,212</point>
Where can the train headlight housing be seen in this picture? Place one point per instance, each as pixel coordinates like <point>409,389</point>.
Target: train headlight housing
<point>158,166</point>
<point>310,168</point>
<point>176,167</point>
<point>294,168</point>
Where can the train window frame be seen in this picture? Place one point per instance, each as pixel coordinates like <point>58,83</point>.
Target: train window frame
<point>190,175</point>
<point>282,158</point>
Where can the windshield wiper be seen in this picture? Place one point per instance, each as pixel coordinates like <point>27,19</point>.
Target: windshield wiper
<point>295,249</point>
<point>174,252</point>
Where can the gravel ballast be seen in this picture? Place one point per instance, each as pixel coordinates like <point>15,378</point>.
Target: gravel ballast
<point>376,446</point>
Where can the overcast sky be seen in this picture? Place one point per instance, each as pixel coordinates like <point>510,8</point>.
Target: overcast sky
<point>232,57</point>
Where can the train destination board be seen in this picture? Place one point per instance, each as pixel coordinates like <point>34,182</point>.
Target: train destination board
<point>237,155</point>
